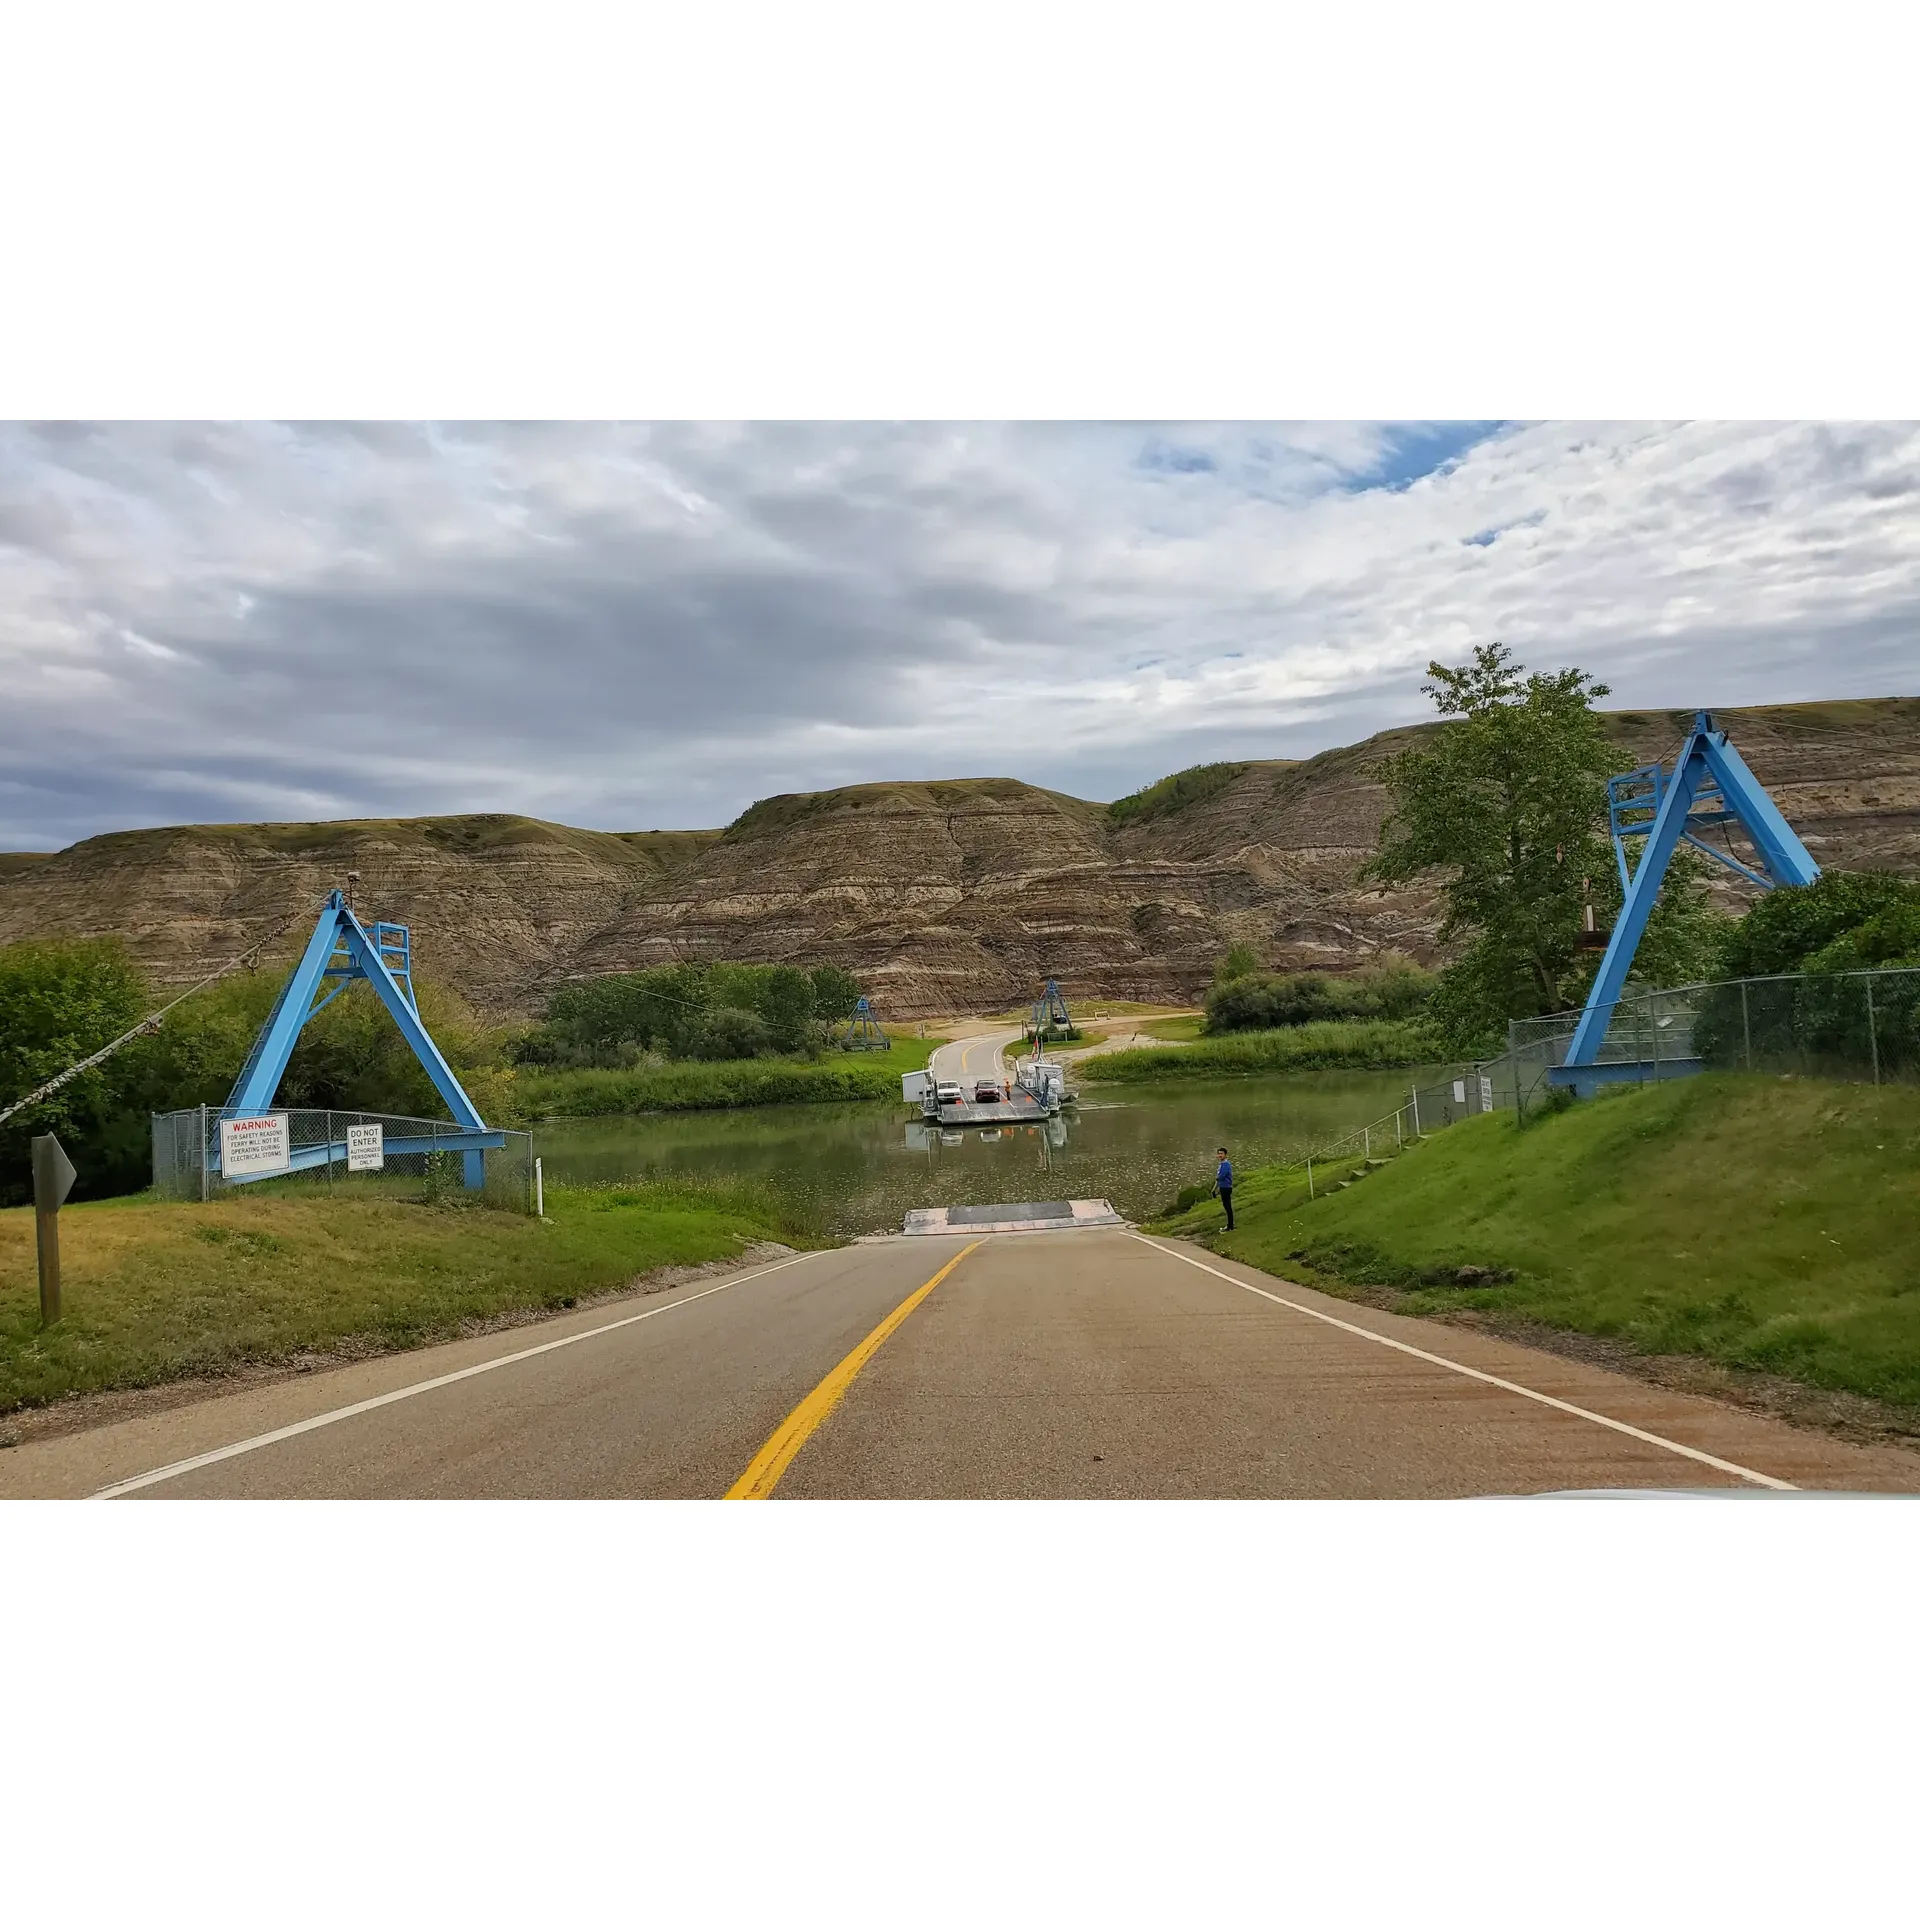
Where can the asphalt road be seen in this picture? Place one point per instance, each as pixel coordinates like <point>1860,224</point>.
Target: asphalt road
<point>1061,1365</point>
<point>980,1058</point>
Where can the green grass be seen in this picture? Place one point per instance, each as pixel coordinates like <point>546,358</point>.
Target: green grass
<point>1762,1223</point>
<point>1175,791</point>
<point>692,1085</point>
<point>1321,1043</point>
<point>1182,1027</point>
<point>166,1290</point>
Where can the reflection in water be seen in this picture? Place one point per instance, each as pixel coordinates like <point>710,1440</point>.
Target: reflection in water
<point>860,1168</point>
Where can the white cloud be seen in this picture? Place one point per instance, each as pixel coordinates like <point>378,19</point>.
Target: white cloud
<point>630,626</point>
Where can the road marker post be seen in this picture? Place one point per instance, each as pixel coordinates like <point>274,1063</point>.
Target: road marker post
<point>53,1178</point>
<point>539,1191</point>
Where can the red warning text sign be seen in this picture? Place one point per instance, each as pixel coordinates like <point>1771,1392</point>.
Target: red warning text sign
<point>256,1145</point>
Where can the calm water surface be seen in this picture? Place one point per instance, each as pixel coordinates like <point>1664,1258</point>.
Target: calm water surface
<point>862,1167</point>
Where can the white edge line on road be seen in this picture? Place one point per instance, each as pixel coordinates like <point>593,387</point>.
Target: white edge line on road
<point>1474,1373</point>
<point>239,1447</point>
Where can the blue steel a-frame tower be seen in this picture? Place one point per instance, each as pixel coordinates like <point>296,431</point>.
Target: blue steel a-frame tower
<point>340,951</point>
<point>1710,786</point>
<point>1050,1015</point>
<point>864,1033</point>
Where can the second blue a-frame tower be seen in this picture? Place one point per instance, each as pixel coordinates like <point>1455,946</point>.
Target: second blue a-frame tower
<point>339,952</point>
<point>1710,786</point>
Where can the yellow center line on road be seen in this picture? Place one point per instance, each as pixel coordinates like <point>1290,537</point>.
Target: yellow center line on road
<point>1491,1379</point>
<point>793,1433</point>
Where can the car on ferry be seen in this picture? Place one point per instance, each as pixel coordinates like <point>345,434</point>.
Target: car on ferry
<point>949,1093</point>
<point>986,1093</point>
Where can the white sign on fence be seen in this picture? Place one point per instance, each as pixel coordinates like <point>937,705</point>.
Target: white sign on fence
<point>257,1145</point>
<point>1486,1094</point>
<point>366,1148</point>
<point>1459,1093</point>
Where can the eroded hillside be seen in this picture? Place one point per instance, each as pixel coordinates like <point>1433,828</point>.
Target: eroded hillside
<point>945,896</point>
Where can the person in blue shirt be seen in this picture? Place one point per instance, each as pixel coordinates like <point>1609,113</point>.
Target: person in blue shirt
<point>1223,1184</point>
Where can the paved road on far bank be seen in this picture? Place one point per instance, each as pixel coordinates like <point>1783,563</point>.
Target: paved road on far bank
<point>1072,1364</point>
<point>980,1058</point>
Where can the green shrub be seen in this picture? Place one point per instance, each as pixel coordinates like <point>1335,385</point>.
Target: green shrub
<point>1395,989</point>
<point>689,1011</point>
<point>1330,1043</point>
<point>1786,928</point>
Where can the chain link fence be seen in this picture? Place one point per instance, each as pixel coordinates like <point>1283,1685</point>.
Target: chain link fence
<point>1835,1026</point>
<point>411,1158</point>
<point>1431,1106</point>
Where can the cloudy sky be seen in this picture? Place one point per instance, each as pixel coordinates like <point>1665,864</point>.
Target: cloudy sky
<point>633,626</point>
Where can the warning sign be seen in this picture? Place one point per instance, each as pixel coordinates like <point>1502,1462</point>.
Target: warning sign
<point>256,1145</point>
<point>1486,1093</point>
<point>366,1148</point>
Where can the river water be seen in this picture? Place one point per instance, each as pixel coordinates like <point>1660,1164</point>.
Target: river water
<point>859,1168</point>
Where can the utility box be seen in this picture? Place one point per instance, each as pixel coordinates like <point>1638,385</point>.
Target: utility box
<point>914,1088</point>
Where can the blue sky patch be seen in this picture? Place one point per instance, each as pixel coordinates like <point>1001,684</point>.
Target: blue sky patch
<point>1420,447</point>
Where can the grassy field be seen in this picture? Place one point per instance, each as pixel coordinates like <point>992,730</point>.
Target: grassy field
<point>162,1290</point>
<point>691,1085</point>
<point>1761,1223</point>
<point>1322,1043</point>
<point>1182,1026</point>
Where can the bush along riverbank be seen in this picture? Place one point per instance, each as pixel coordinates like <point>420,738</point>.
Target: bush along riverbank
<point>1323,1043</point>
<point>158,1290</point>
<point>1763,1224</point>
<point>679,1086</point>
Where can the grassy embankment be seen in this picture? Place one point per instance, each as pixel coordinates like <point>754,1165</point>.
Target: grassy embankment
<point>1760,1223</point>
<point>682,1086</point>
<point>1179,1027</point>
<point>1321,1043</point>
<point>160,1290</point>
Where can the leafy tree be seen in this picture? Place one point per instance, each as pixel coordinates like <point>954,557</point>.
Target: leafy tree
<point>731,1033</point>
<point>1240,960</point>
<point>786,1003</point>
<point>1509,805</point>
<point>1394,990</point>
<point>835,993</point>
<point>1873,913</point>
<point>61,1000</point>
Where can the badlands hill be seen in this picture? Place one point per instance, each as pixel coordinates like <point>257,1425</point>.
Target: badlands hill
<point>943,896</point>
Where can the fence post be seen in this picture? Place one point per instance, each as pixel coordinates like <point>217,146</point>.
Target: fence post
<point>1366,1143</point>
<point>539,1191</point>
<point>1416,1113</point>
<point>329,1149</point>
<point>203,1150</point>
<point>1397,1140</point>
<point>1309,1176</point>
<point>1873,1037</point>
<point>1746,1026</point>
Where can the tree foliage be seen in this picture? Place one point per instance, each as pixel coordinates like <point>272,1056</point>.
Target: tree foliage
<point>1508,805</point>
<point>1394,990</point>
<point>1175,792</point>
<point>1240,960</point>
<point>1842,921</point>
<point>690,1011</point>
